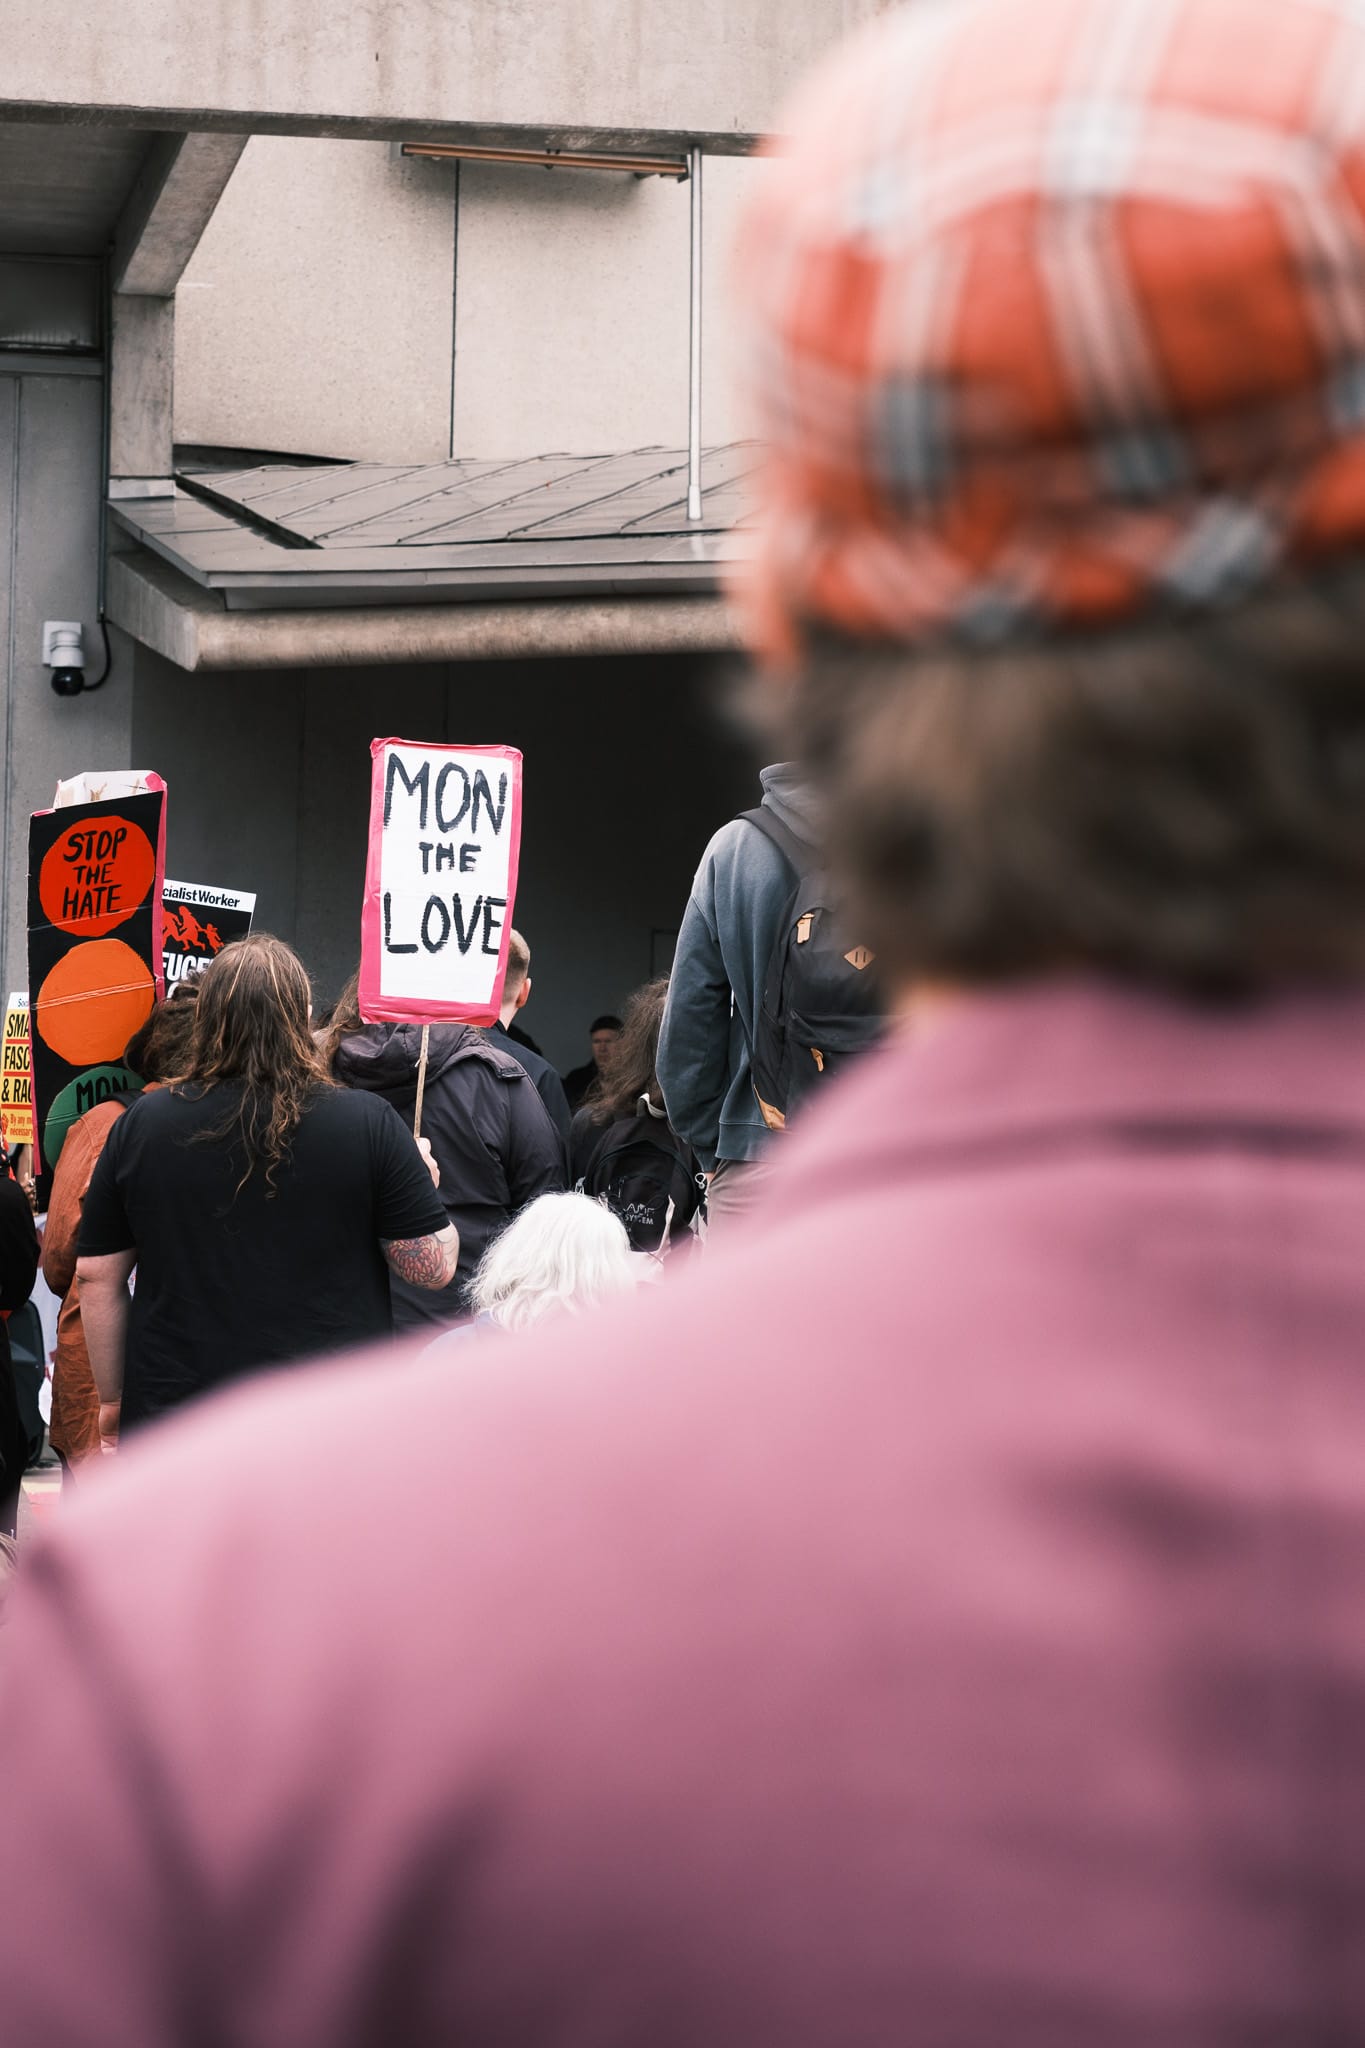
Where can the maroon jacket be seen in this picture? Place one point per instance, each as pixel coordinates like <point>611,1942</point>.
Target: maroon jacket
<point>937,1618</point>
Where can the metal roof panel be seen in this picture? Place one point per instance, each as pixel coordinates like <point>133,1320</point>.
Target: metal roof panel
<point>490,508</point>
<point>590,522</point>
<point>348,512</point>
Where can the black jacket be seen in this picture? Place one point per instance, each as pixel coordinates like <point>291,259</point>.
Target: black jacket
<point>549,1087</point>
<point>577,1082</point>
<point>18,1270</point>
<point>491,1138</point>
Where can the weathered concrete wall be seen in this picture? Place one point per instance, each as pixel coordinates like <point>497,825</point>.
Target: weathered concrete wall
<point>269,790</point>
<point>572,309</point>
<point>704,67</point>
<point>50,430</point>
<point>318,312</point>
<point>142,415</point>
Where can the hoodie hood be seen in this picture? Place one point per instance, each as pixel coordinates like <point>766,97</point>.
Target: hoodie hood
<point>383,1058</point>
<point>787,792</point>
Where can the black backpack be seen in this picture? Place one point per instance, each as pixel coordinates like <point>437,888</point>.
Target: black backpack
<point>638,1166</point>
<point>821,1003</point>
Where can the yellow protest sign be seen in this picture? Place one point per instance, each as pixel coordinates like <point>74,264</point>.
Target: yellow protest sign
<point>16,1074</point>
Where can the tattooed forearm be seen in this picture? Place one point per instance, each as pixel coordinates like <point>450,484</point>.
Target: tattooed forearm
<point>424,1261</point>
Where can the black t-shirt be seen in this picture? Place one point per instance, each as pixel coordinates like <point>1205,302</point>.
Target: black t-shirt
<point>230,1281</point>
<point>18,1270</point>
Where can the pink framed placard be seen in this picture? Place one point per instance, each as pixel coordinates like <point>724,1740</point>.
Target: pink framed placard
<point>440,881</point>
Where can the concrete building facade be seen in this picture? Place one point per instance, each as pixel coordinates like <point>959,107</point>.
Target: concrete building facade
<point>347,302</point>
<point>224,179</point>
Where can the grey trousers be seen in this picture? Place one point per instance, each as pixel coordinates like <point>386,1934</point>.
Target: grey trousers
<point>736,1187</point>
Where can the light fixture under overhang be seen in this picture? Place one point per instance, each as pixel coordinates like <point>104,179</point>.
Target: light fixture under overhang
<point>552,159</point>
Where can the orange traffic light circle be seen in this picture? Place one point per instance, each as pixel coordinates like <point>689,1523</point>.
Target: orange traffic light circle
<point>93,1001</point>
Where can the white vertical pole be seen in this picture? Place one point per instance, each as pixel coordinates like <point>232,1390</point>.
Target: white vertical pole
<point>694,364</point>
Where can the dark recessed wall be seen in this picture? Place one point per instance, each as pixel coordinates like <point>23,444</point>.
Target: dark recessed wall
<point>631,764</point>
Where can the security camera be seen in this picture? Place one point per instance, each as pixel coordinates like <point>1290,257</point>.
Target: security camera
<point>64,655</point>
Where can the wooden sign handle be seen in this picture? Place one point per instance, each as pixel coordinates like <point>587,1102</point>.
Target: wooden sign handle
<point>421,1083</point>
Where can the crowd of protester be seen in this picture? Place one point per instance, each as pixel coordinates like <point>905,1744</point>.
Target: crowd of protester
<point>928,1609</point>
<point>278,1202</point>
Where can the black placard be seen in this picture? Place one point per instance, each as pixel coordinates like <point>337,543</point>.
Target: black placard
<point>94,955</point>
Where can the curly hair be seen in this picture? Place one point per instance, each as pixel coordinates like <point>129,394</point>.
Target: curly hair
<point>252,1038</point>
<point>629,1065</point>
<point>344,1020</point>
<point>160,1049</point>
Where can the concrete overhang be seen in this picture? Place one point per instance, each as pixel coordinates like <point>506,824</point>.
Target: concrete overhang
<point>87,191</point>
<point>61,194</point>
<point>178,186</point>
<point>193,627</point>
<point>627,75</point>
<point>398,129</point>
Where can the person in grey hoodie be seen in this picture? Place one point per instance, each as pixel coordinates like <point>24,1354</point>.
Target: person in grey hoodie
<point>489,1132</point>
<point>728,933</point>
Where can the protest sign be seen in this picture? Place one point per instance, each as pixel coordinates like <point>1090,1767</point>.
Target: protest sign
<point>440,881</point>
<point>16,1074</point>
<point>196,923</point>
<point>94,949</point>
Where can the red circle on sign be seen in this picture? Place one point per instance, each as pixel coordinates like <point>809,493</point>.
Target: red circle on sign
<point>95,875</point>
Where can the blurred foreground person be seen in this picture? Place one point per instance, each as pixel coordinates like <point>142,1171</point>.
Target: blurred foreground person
<point>263,1206</point>
<point>490,1133</point>
<point>936,1619</point>
<point>563,1252</point>
<point>158,1050</point>
<point>625,1151</point>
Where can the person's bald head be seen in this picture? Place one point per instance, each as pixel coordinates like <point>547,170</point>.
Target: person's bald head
<point>516,989</point>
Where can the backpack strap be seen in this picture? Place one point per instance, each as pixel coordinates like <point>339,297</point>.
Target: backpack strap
<point>800,857</point>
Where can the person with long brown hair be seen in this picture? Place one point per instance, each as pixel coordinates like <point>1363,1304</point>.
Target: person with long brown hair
<point>263,1206</point>
<point>624,1148</point>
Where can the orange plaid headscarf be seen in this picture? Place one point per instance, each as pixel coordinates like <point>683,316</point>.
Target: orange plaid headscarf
<point>1056,310</point>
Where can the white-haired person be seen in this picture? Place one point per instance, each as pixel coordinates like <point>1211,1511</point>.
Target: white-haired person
<point>561,1252</point>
